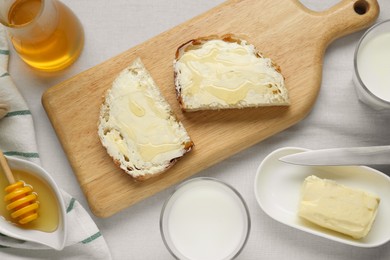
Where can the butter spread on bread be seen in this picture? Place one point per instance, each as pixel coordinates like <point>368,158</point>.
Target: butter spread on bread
<point>226,72</point>
<point>337,207</point>
<point>137,126</point>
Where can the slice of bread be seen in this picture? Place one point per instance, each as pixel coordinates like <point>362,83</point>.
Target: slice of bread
<point>226,72</point>
<point>137,126</point>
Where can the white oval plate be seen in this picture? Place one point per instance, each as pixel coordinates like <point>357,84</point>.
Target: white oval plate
<point>278,186</point>
<point>55,239</point>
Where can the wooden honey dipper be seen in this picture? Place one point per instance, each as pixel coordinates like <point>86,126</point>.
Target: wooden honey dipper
<point>22,201</point>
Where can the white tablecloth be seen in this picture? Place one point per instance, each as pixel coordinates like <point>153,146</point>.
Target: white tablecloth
<point>338,119</point>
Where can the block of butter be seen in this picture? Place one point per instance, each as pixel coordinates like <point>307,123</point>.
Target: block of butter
<point>337,207</point>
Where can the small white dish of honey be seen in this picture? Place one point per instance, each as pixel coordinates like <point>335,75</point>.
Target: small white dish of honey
<point>50,227</point>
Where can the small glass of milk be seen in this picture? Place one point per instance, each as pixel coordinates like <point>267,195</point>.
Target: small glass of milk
<point>205,219</point>
<point>372,66</point>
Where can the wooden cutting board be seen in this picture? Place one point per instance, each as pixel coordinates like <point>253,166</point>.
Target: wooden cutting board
<point>284,30</point>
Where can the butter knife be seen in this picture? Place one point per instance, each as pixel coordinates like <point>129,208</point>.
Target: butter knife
<point>372,155</point>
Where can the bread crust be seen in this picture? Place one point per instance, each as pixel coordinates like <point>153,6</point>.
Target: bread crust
<point>197,43</point>
<point>142,178</point>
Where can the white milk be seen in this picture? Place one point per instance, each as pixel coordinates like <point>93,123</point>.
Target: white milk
<point>206,220</point>
<point>373,63</point>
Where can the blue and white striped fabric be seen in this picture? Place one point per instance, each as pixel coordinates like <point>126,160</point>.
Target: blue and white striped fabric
<point>17,138</point>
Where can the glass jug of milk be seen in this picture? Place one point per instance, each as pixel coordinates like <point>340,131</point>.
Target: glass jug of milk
<point>372,66</point>
<point>205,219</point>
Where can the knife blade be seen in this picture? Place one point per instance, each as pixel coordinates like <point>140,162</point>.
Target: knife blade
<point>372,155</point>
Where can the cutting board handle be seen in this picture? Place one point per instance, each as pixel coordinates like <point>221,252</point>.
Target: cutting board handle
<point>346,17</point>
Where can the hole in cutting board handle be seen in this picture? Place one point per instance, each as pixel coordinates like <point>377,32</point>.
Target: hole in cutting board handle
<point>361,7</point>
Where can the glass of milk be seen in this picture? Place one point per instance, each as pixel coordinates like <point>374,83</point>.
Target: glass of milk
<point>372,66</point>
<point>205,219</point>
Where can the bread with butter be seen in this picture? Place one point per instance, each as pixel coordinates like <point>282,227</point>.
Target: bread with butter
<point>226,72</point>
<point>137,126</point>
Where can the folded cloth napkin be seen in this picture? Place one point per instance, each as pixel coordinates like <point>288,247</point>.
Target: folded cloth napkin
<point>17,138</point>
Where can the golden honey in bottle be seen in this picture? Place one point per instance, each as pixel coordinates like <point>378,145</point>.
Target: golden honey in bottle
<point>45,33</point>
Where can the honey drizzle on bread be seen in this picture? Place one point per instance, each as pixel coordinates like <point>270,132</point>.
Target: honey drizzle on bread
<point>211,73</point>
<point>138,127</point>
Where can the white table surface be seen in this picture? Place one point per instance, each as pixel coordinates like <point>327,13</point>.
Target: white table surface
<point>338,119</point>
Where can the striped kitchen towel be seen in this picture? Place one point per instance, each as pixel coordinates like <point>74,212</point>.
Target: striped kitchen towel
<point>17,138</point>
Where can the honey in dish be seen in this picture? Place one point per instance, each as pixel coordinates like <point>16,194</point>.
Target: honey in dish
<point>48,46</point>
<point>48,211</point>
